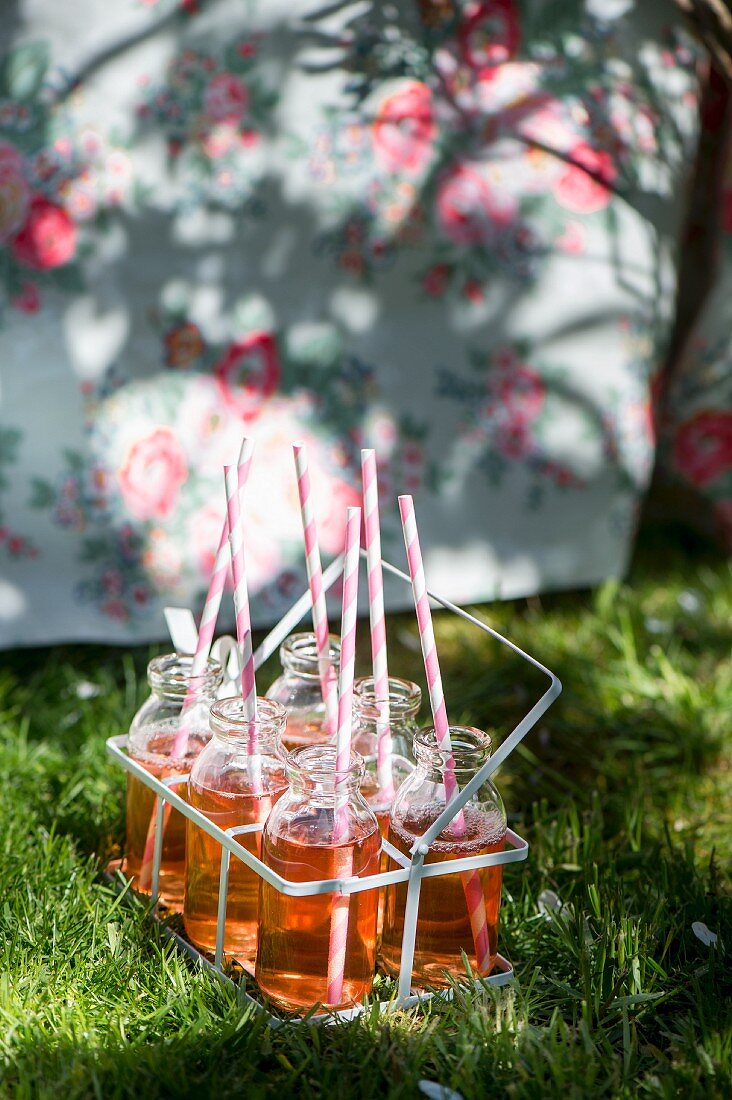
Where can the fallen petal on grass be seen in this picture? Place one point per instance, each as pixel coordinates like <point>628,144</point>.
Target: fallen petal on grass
<point>549,904</point>
<point>434,1091</point>
<point>702,933</point>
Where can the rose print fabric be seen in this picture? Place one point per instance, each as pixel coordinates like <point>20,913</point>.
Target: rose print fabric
<point>447,230</point>
<point>695,437</point>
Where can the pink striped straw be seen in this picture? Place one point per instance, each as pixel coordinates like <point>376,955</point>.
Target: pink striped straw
<point>218,578</point>
<point>339,912</point>
<point>429,649</point>
<point>317,592</point>
<point>378,622</point>
<point>348,655</point>
<point>213,598</point>
<point>474,896</point>
<point>203,647</point>
<point>243,624</point>
<point>241,594</point>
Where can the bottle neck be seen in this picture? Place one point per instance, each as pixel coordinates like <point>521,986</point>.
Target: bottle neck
<point>311,773</point>
<point>231,722</point>
<point>401,702</point>
<point>171,679</point>
<point>468,750</point>
<point>299,655</point>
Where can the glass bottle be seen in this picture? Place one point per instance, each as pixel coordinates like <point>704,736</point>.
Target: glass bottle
<point>236,780</point>
<point>405,699</point>
<point>166,739</point>
<point>444,927</point>
<point>298,688</point>
<point>298,842</point>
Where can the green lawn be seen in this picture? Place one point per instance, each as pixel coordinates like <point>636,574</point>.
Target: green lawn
<point>623,793</point>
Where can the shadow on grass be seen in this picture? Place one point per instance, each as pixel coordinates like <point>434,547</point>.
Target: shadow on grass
<point>617,995</point>
<point>485,1042</point>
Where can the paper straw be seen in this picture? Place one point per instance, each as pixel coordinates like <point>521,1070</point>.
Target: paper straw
<point>429,649</point>
<point>218,579</point>
<point>378,623</point>
<point>339,912</point>
<point>474,896</point>
<point>241,595</point>
<point>213,599</point>
<point>317,592</point>
<point>203,647</point>
<point>348,656</point>
<point>243,625</point>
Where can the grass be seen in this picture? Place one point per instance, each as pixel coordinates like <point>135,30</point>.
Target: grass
<point>623,793</point>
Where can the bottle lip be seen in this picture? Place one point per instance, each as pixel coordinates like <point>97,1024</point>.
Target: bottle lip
<point>314,767</point>
<point>299,653</point>
<point>470,747</point>
<point>227,718</point>
<point>404,698</point>
<point>170,674</point>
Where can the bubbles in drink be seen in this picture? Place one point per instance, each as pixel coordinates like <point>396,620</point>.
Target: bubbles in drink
<point>300,732</point>
<point>294,937</point>
<point>443,924</point>
<point>233,804</point>
<point>156,759</point>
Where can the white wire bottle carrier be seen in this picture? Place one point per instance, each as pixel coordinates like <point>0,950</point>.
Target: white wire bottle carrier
<point>411,869</point>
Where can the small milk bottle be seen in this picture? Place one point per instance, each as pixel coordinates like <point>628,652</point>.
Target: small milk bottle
<point>444,925</point>
<point>404,700</point>
<point>236,780</point>
<point>165,737</point>
<point>299,690</point>
<point>296,963</point>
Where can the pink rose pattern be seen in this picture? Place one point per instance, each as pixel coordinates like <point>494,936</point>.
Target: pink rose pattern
<point>488,35</point>
<point>225,98</point>
<point>698,452</point>
<point>151,474</point>
<point>584,187</point>
<point>472,168</point>
<point>695,417</point>
<point>58,183</point>
<point>470,209</point>
<point>404,129</point>
<point>48,237</point>
<point>486,166</point>
<point>506,410</point>
<point>213,108</point>
<point>703,449</point>
<point>150,521</point>
<point>248,373</point>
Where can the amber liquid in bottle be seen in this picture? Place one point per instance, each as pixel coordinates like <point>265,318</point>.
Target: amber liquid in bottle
<point>443,924</point>
<point>294,934</point>
<point>370,791</point>
<point>142,803</point>
<point>227,809</point>
<point>300,732</point>
<point>382,816</point>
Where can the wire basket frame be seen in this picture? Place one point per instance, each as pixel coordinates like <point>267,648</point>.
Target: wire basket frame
<point>412,870</point>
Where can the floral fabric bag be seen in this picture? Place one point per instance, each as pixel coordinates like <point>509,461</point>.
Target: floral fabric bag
<point>445,230</point>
